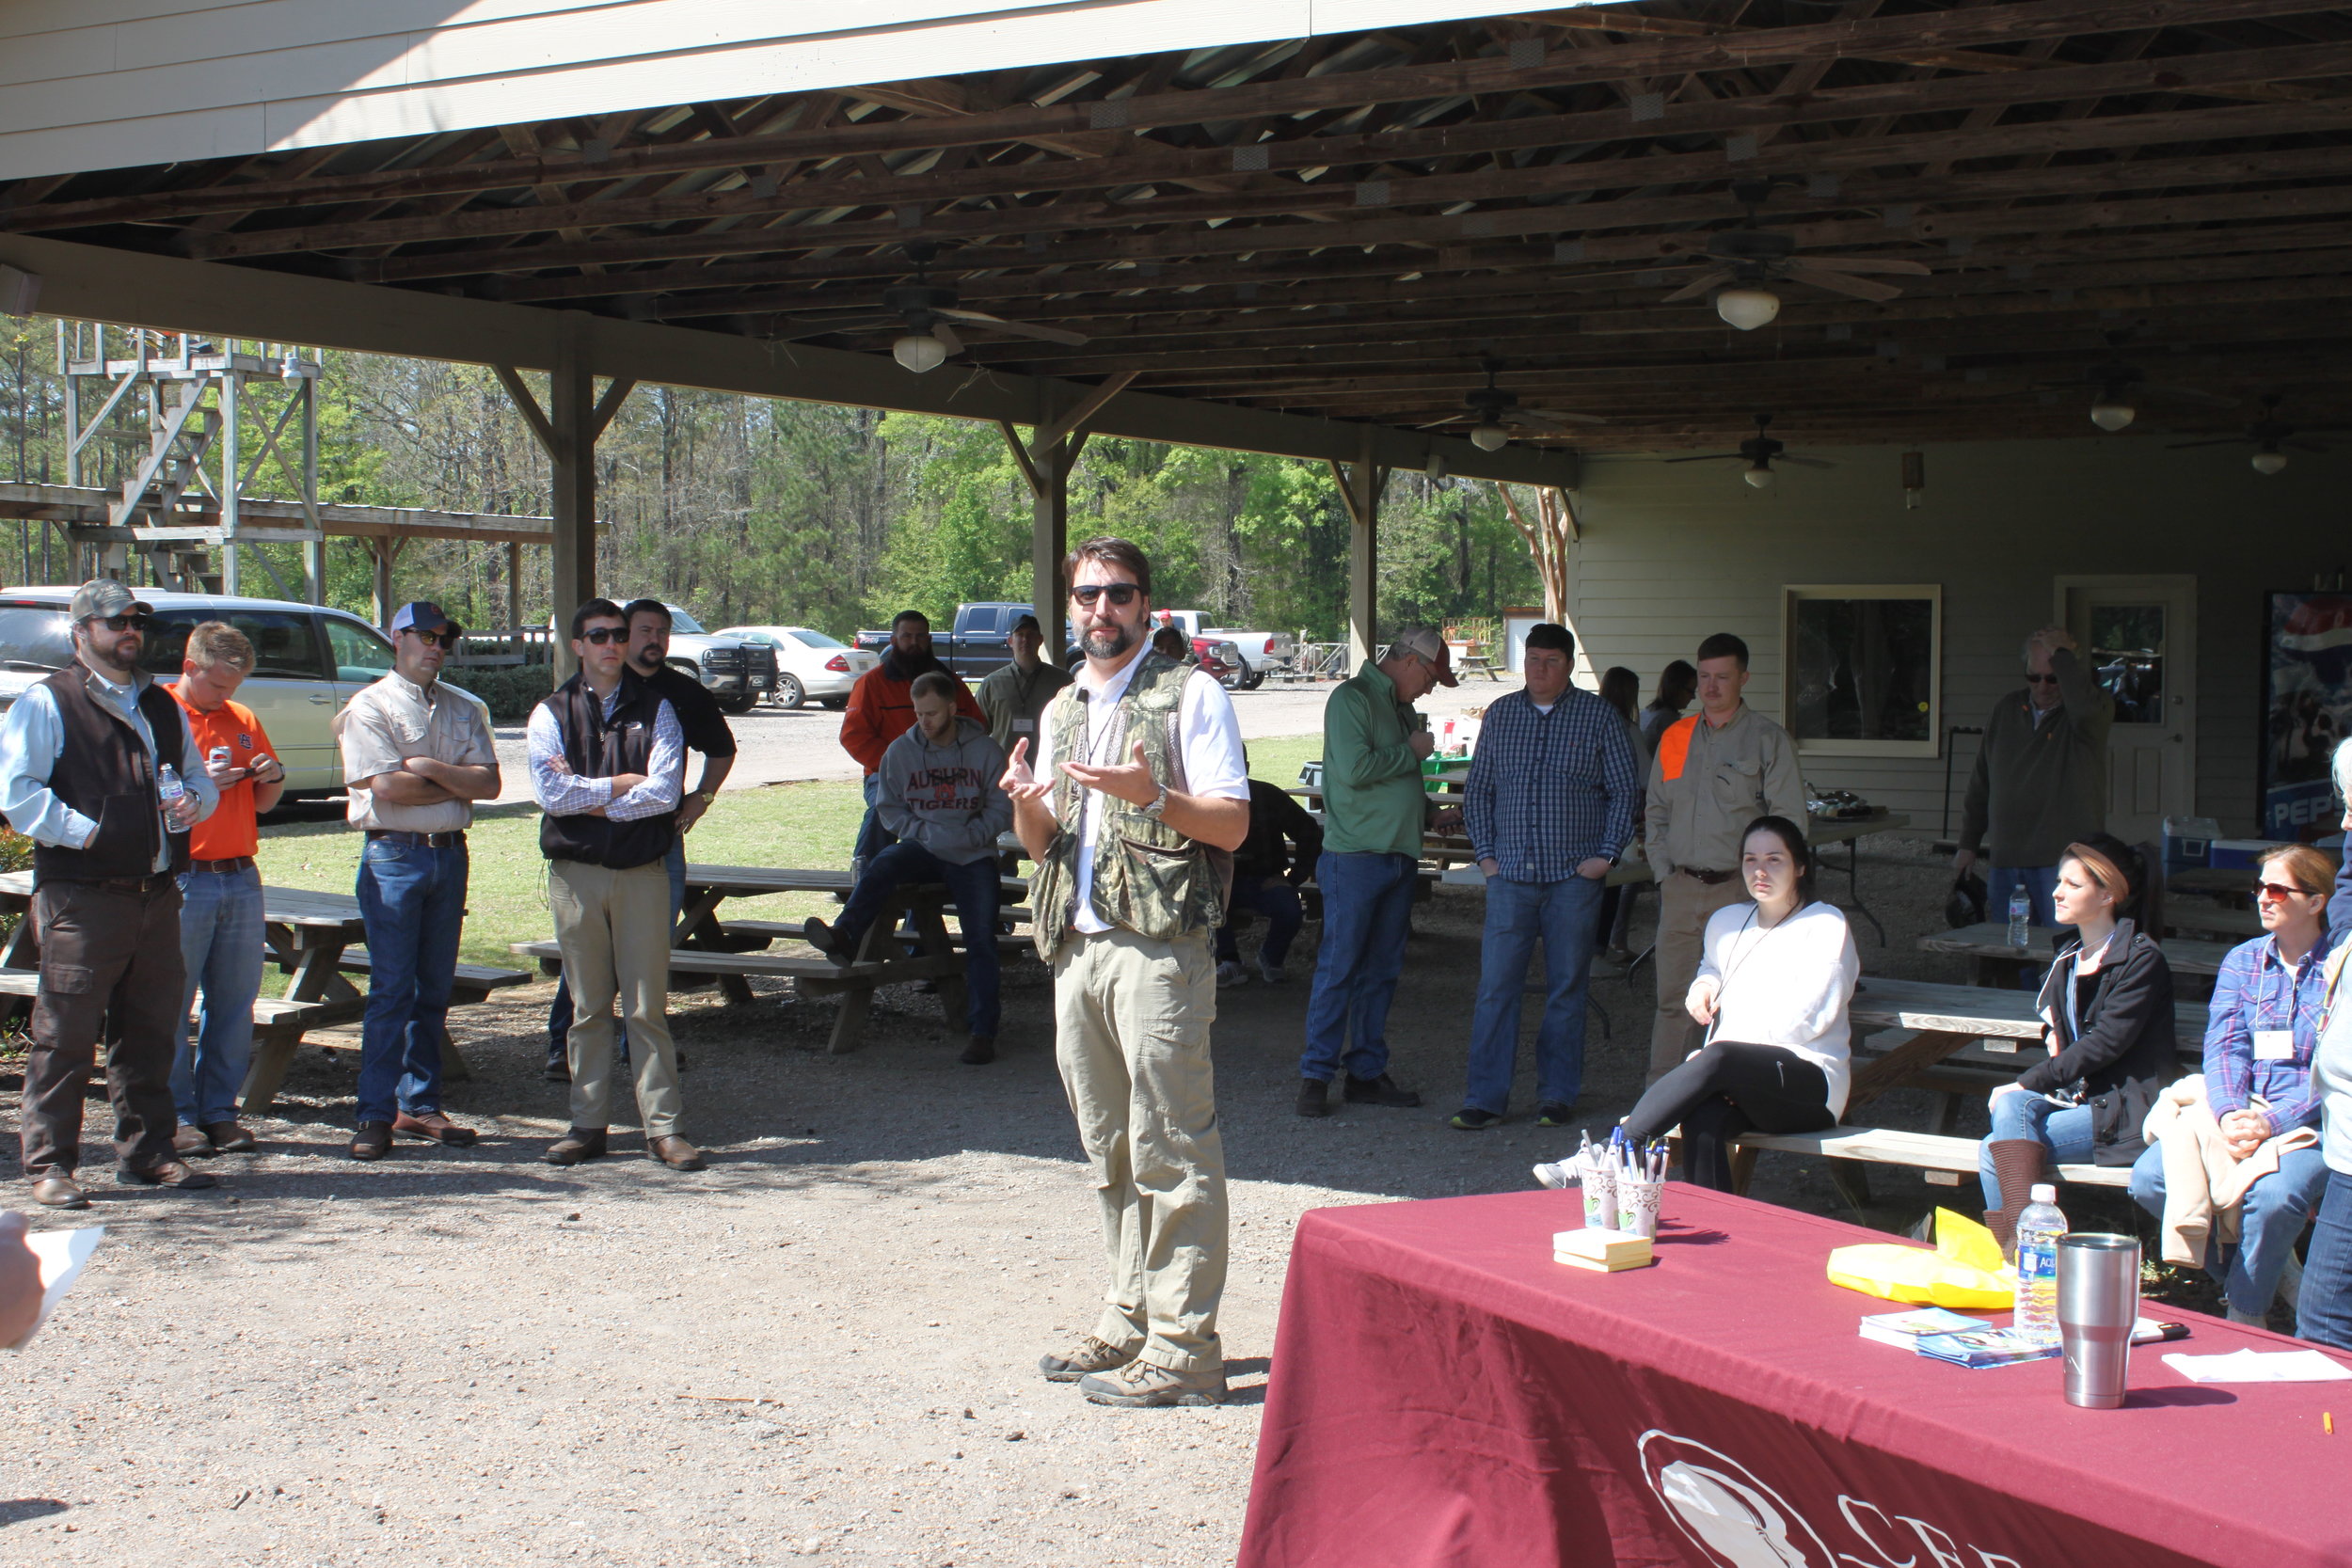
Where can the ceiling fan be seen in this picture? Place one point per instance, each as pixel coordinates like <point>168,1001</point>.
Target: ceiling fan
<point>2118,383</point>
<point>2268,435</point>
<point>1494,409</point>
<point>1749,257</point>
<point>927,310</point>
<point>1760,452</point>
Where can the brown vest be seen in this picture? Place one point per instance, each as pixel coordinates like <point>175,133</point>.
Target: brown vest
<point>103,772</point>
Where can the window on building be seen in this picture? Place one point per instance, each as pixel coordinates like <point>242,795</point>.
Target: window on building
<point>1864,669</point>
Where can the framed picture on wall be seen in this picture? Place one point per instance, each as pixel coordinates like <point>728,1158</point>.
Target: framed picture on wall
<point>2306,710</point>
<point>1864,668</point>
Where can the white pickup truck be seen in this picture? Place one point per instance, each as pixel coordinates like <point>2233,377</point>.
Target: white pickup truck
<point>1261,651</point>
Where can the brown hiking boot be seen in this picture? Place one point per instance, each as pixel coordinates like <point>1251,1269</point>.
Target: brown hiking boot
<point>432,1125</point>
<point>1090,1355</point>
<point>1139,1385</point>
<point>373,1141</point>
<point>580,1143</point>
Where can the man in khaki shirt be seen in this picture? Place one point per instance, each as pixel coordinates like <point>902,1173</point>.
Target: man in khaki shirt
<point>416,758</point>
<point>1714,773</point>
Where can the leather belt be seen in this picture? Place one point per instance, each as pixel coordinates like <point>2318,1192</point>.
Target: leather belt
<point>1712,878</point>
<point>155,882</point>
<point>435,841</point>
<point>224,867</point>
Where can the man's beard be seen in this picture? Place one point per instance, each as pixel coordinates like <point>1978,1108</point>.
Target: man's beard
<point>1108,642</point>
<point>647,663</point>
<point>110,658</point>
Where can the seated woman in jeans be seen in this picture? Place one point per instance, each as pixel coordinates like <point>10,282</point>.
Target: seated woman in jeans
<point>2324,1313</point>
<point>2260,1033</point>
<point>2107,1011</point>
<point>1773,988</point>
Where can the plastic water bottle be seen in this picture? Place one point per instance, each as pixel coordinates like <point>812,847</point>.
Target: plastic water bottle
<point>2038,1231</point>
<point>168,790</point>
<point>2020,915</point>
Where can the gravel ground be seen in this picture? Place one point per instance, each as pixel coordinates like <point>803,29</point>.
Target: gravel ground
<point>821,1346</point>
<point>804,742</point>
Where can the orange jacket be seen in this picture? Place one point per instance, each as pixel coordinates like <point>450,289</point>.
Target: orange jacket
<point>881,711</point>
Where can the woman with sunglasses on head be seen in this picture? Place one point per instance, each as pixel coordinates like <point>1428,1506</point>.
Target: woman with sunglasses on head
<point>2107,1010</point>
<point>2324,1310</point>
<point>2261,1033</point>
<point>1773,988</point>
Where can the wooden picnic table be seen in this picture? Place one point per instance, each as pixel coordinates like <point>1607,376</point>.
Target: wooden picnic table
<point>310,937</point>
<point>1946,1020</point>
<point>1996,962</point>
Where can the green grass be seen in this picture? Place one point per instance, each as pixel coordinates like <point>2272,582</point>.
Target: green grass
<point>811,825</point>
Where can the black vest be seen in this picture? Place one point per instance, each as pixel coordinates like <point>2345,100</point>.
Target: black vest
<point>103,772</point>
<point>598,748</point>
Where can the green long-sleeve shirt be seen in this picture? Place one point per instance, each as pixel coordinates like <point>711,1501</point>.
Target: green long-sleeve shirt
<point>1372,795</point>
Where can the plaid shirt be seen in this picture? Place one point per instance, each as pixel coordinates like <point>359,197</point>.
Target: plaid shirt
<point>2256,990</point>
<point>1548,791</point>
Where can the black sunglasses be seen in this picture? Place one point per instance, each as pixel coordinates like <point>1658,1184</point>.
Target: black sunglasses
<point>601,635</point>
<point>2032,679</point>
<point>2280,891</point>
<point>1118,593</point>
<point>125,623</point>
<point>438,639</point>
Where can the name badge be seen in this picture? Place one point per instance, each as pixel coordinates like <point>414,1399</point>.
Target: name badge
<point>1025,726</point>
<point>2274,1045</point>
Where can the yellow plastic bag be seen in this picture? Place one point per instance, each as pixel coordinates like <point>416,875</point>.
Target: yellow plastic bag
<point>1965,1271</point>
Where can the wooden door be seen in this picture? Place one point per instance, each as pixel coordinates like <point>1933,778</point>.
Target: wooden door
<point>2140,636</point>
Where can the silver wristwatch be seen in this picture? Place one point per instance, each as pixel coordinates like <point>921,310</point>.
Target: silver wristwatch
<point>1159,804</point>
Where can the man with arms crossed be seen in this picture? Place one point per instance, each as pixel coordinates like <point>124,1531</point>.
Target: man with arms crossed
<point>1136,801</point>
<point>1714,773</point>
<point>79,754</point>
<point>220,913</point>
<point>607,761</point>
<point>416,758</point>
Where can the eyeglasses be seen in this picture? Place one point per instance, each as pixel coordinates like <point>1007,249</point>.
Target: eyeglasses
<point>124,623</point>
<point>2032,679</point>
<point>2280,891</point>
<point>601,635</point>
<point>1118,593</point>
<point>438,639</point>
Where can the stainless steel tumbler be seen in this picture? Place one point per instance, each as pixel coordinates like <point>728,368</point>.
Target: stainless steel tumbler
<point>2098,1301</point>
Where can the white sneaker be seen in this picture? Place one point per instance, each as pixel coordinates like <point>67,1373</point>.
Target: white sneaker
<point>1557,1177</point>
<point>1231,973</point>
<point>1271,974</point>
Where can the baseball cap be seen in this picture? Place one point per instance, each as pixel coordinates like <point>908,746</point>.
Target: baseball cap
<point>422,615</point>
<point>1427,644</point>
<point>107,596</point>
<point>1027,623</point>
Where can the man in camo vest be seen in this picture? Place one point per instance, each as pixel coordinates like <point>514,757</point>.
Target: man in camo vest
<point>1131,810</point>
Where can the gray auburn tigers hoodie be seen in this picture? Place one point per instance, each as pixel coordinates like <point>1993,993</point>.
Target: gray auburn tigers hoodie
<point>945,798</point>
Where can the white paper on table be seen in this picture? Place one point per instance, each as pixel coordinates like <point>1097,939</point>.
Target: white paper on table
<point>2259,1366</point>
<point>61,1254</point>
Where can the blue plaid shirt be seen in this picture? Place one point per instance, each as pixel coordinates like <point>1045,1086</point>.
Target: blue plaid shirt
<point>1548,791</point>
<point>2258,990</point>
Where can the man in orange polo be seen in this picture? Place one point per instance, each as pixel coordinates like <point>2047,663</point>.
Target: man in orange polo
<point>220,911</point>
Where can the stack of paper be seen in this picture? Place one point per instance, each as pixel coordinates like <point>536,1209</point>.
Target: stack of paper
<point>2258,1366</point>
<point>1602,1251</point>
<point>1904,1330</point>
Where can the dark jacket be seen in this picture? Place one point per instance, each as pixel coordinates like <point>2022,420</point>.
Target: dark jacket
<point>601,747</point>
<point>1274,817</point>
<point>2040,787</point>
<point>104,773</point>
<point>2125,1053</point>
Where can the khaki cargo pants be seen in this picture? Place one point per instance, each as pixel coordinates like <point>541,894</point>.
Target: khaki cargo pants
<point>1685,904</point>
<point>613,928</point>
<point>1132,1019</point>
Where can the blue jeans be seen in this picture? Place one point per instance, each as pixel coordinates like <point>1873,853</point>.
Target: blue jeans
<point>2063,1131</point>
<point>220,945</point>
<point>978,890</point>
<point>2272,1218</point>
<point>1366,908</point>
<point>1278,901</point>
<point>1563,915</point>
<point>2325,1315</point>
<point>872,837</point>
<point>559,1010</point>
<point>413,897</point>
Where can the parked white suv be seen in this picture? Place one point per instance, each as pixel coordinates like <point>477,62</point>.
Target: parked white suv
<point>308,660</point>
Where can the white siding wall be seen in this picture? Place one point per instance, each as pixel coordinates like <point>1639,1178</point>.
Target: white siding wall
<point>1673,552</point>
<point>109,84</point>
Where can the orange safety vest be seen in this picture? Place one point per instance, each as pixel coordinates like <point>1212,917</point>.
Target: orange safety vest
<point>1674,746</point>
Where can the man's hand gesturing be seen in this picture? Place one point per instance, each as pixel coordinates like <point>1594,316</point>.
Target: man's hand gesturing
<point>1131,782</point>
<point>1019,782</point>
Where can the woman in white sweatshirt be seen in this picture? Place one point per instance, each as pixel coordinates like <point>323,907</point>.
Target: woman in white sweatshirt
<point>1772,990</point>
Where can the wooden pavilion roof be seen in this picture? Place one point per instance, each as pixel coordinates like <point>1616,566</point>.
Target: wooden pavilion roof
<point>1351,225</point>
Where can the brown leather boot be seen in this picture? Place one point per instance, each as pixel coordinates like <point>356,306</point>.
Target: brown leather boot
<point>2017,1164</point>
<point>580,1143</point>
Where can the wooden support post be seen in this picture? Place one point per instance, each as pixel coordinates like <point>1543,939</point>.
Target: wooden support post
<point>1359,488</point>
<point>515,590</point>
<point>1045,461</point>
<point>567,429</point>
<point>383,554</point>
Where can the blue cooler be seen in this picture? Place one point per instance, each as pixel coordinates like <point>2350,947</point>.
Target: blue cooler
<point>2238,854</point>
<point>2188,842</point>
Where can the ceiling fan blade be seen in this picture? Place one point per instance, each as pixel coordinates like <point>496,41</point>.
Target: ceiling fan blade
<point>1020,329</point>
<point>2217,441</point>
<point>1707,457</point>
<point>2186,394</point>
<point>1838,283</point>
<point>2308,445</point>
<point>1806,462</point>
<point>1865,263</point>
<point>1450,418</point>
<point>1699,285</point>
<point>1563,416</point>
<point>947,336</point>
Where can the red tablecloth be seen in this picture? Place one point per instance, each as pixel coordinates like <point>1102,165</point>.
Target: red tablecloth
<point>1444,1394</point>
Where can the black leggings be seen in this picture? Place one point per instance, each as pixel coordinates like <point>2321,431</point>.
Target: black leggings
<point>1723,1091</point>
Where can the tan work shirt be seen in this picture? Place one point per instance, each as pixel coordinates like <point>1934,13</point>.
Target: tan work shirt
<point>1706,784</point>
<point>385,724</point>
